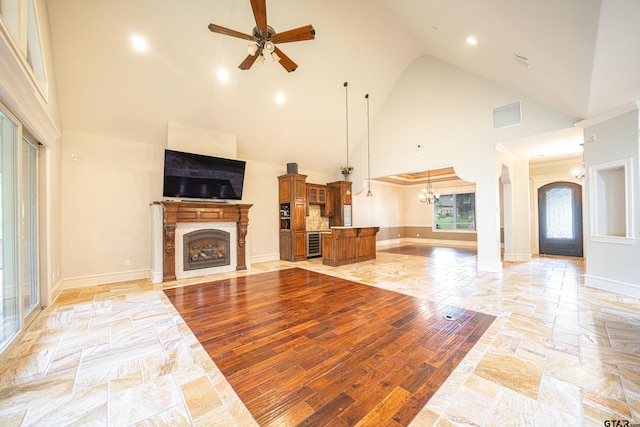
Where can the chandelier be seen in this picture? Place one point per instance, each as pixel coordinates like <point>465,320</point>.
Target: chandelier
<point>428,194</point>
<point>578,173</point>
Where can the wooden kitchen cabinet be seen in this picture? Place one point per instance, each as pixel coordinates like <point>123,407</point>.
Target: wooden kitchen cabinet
<point>328,206</point>
<point>292,187</point>
<point>341,197</point>
<point>346,245</point>
<point>292,194</point>
<point>316,194</point>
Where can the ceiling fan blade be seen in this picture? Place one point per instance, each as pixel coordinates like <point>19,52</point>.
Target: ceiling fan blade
<point>249,60</point>
<point>285,61</point>
<point>259,8</point>
<point>228,32</point>
<point>297,34</point>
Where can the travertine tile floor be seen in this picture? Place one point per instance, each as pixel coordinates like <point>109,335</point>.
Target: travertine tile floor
<point>559,353</point>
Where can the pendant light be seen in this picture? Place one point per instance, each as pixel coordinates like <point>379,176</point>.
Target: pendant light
<point>346,170</point>
<point>369,193</point>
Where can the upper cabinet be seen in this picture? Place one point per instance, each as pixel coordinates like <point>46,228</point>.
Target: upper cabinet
<point>317,194</point>
<point>292,187</point>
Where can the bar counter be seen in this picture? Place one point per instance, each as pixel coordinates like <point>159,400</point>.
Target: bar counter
<point>347,245</point>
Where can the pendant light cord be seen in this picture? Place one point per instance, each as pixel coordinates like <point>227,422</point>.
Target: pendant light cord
<point>346,109</point>
<point>369,194</point>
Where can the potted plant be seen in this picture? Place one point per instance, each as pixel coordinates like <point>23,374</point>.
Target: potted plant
<point>346,171</point>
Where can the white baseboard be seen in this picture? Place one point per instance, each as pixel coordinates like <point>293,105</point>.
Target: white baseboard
<point>264,258</point>
<point>460,243</point>
<point>491,267</point>
<point>102,279</point>
<point>615,286</point>
<point>388,242</point>
<point>54,292</point>
<point>397,241</point>
<point>517,257</point>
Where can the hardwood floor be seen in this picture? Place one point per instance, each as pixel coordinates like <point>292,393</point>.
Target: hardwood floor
<point>301,347</point>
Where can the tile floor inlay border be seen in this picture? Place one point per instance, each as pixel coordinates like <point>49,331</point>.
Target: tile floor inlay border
<point>301,347</point>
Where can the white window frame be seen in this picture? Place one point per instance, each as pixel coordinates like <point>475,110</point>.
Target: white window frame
<point>435,229</point>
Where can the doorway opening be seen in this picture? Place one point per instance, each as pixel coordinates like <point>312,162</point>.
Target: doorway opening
<point>560,219</point>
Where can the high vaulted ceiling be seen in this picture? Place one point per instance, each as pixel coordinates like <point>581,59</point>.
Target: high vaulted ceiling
<point>583,56</point>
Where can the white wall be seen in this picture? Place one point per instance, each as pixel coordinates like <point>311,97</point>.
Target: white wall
<point>613,265</point>
<point>385,209</point>
<point>449,113</point>
<point>109,184</point>
<point>442,108</point>
<point>108,190</point>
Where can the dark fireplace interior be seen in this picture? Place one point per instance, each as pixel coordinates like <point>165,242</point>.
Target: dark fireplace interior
<point>206,249</point>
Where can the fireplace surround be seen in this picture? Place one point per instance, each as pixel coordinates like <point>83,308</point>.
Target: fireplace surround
<point>205,214</point>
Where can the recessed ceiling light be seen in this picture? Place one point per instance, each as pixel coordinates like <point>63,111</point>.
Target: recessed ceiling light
<point>280,98</point>
<point>472,41</point>
<point>223,76</point>
<point>139,43</point>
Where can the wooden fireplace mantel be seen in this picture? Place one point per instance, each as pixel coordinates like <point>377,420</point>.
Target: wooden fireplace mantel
<point>176,212</point>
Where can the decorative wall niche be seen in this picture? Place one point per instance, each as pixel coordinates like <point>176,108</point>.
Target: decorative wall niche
<point>611,195</point>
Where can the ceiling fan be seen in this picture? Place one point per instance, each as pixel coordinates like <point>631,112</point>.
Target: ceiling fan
<point>265,38</point>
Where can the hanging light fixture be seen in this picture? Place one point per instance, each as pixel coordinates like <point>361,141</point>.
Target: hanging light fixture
<point>428,194</point>
<point>369,193</point>
<point>268,47</point>
<point>346,170</point>
<point>579,173</point>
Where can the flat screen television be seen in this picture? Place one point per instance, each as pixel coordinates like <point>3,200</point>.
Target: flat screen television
<point>195,176</point>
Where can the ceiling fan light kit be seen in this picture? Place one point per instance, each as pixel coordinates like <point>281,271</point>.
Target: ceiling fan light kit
<point>265,38</point>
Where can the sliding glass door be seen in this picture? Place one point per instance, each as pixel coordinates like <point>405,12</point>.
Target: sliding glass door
<point>29,227</point>
<point>10,310</point>
<point>19,266</point>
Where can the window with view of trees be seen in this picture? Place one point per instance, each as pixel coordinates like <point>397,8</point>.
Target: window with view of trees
<point>455,212</point>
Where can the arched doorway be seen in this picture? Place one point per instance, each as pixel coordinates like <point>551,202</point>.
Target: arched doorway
<point>560,219</point>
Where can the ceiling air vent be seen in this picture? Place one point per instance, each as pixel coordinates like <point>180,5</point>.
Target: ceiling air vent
<point>507,115</point>
<point>524,61</point>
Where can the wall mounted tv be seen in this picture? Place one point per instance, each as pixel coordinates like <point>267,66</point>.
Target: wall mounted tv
<point>196,176</point>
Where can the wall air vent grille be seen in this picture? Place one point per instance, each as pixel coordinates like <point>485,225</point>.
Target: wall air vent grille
<point>507,115</point>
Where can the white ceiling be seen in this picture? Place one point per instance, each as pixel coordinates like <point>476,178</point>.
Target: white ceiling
<point>584,55</point>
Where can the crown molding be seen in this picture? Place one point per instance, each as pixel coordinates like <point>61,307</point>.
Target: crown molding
<point>627,108</point>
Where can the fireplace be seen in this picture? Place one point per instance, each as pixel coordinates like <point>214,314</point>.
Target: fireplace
<point>206,259</point>
<point>206,249</point>
<point>217,233</point>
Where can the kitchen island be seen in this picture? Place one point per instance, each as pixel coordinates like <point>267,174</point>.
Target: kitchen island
<point>346,245</point>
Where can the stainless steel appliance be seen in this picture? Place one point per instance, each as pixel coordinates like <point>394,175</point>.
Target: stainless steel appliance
<point>313,244</point>
<point>347,215</point>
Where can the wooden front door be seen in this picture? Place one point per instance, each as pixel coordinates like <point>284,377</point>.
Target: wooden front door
<point>560,219</point>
